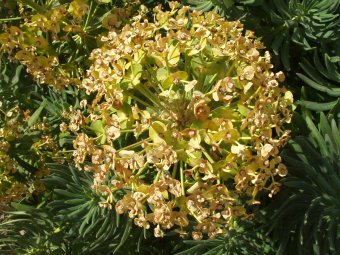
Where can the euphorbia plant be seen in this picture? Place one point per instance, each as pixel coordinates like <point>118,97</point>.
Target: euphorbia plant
<point>186,119</point>
<point>51,39</point>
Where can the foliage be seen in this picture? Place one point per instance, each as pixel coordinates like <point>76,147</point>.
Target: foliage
<point>73,223</point>
<point>243,238</point>
<point>305,215</point>
<point>32,231</point>
<point>323,78</point>
<point>79,207</point>
<point>22,138</point>
<point>29,132</point>
<point>227,8</point>
<point>307,24</point>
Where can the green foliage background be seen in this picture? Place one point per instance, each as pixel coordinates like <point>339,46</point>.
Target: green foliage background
<point>304,218</point>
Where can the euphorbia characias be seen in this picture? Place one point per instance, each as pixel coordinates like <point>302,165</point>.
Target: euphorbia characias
<point>186,119</point>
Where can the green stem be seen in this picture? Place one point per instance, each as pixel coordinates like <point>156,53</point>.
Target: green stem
<point>1,111</point>
<point>182,177</point>
<point>173,175</point>
<point>146,92</point>
<point>207,155</point>
<point>141,152</point>
<point>66,151</point>
<point>157,177</point>
<point>134,144</point>
<point>10,19</point>
<point>127,131</point>
<point>245,138</point>
<point>231,67</point>
<point>255,94</point>
<point>141,170</point>
<point>139,100</point>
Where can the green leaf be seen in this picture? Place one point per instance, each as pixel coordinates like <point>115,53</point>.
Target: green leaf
<point>174,54</point>
<point>33,5</point>
<point>285,57</point>
<point>162,74</point>
<point>125,236</point>
<point>315,106</point>
<point>22,207</point>
<point>243,110</point>
<point>136,74</point>
<point>98,127</point>
<point>332,91</point>
<point>16,77</point>
<point>156,131</point>
<point>35,116</point>
<point>228,3</point>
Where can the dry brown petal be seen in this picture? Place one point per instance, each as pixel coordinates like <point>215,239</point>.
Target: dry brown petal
<point>158,232</point>
<point>201,111</point>
<point>223,90</point>
<point>112,133</point>
<point>162,156</point>
<point>248,72</point>
<point>275,188</point>
<point>63,127</point>
<point>282,170</point>
<point>97,156</point>
<point>266,150</point>
<point>273,83</point>
<point>280,76</point>
<point>197,235</point>
<point>180,219</point>
<point>142,222</point>
<point>175,187</point>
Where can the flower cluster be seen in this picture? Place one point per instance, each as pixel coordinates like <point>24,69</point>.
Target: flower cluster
<point>52,42</point>
<point>187,119</point>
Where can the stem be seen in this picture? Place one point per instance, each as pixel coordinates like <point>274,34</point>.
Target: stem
<point>157,177</point>
<point>3,113</point>
<point>207,155</point>
<point>146,92</point>
<point>66,151</point>
<point>142,151</point>
<point>195,216</point>
<point>231,67</point>
<point>173,175</point>
<point>139,100</point>
<point>255,94</point>
<point>218,179</point>
<point>141,170</point>
<point>127,130</point>
<point>182,177</point>
<point>134,144</point>
<point>60,158</point>
<point>245,138</point>
<point>10,19</point>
